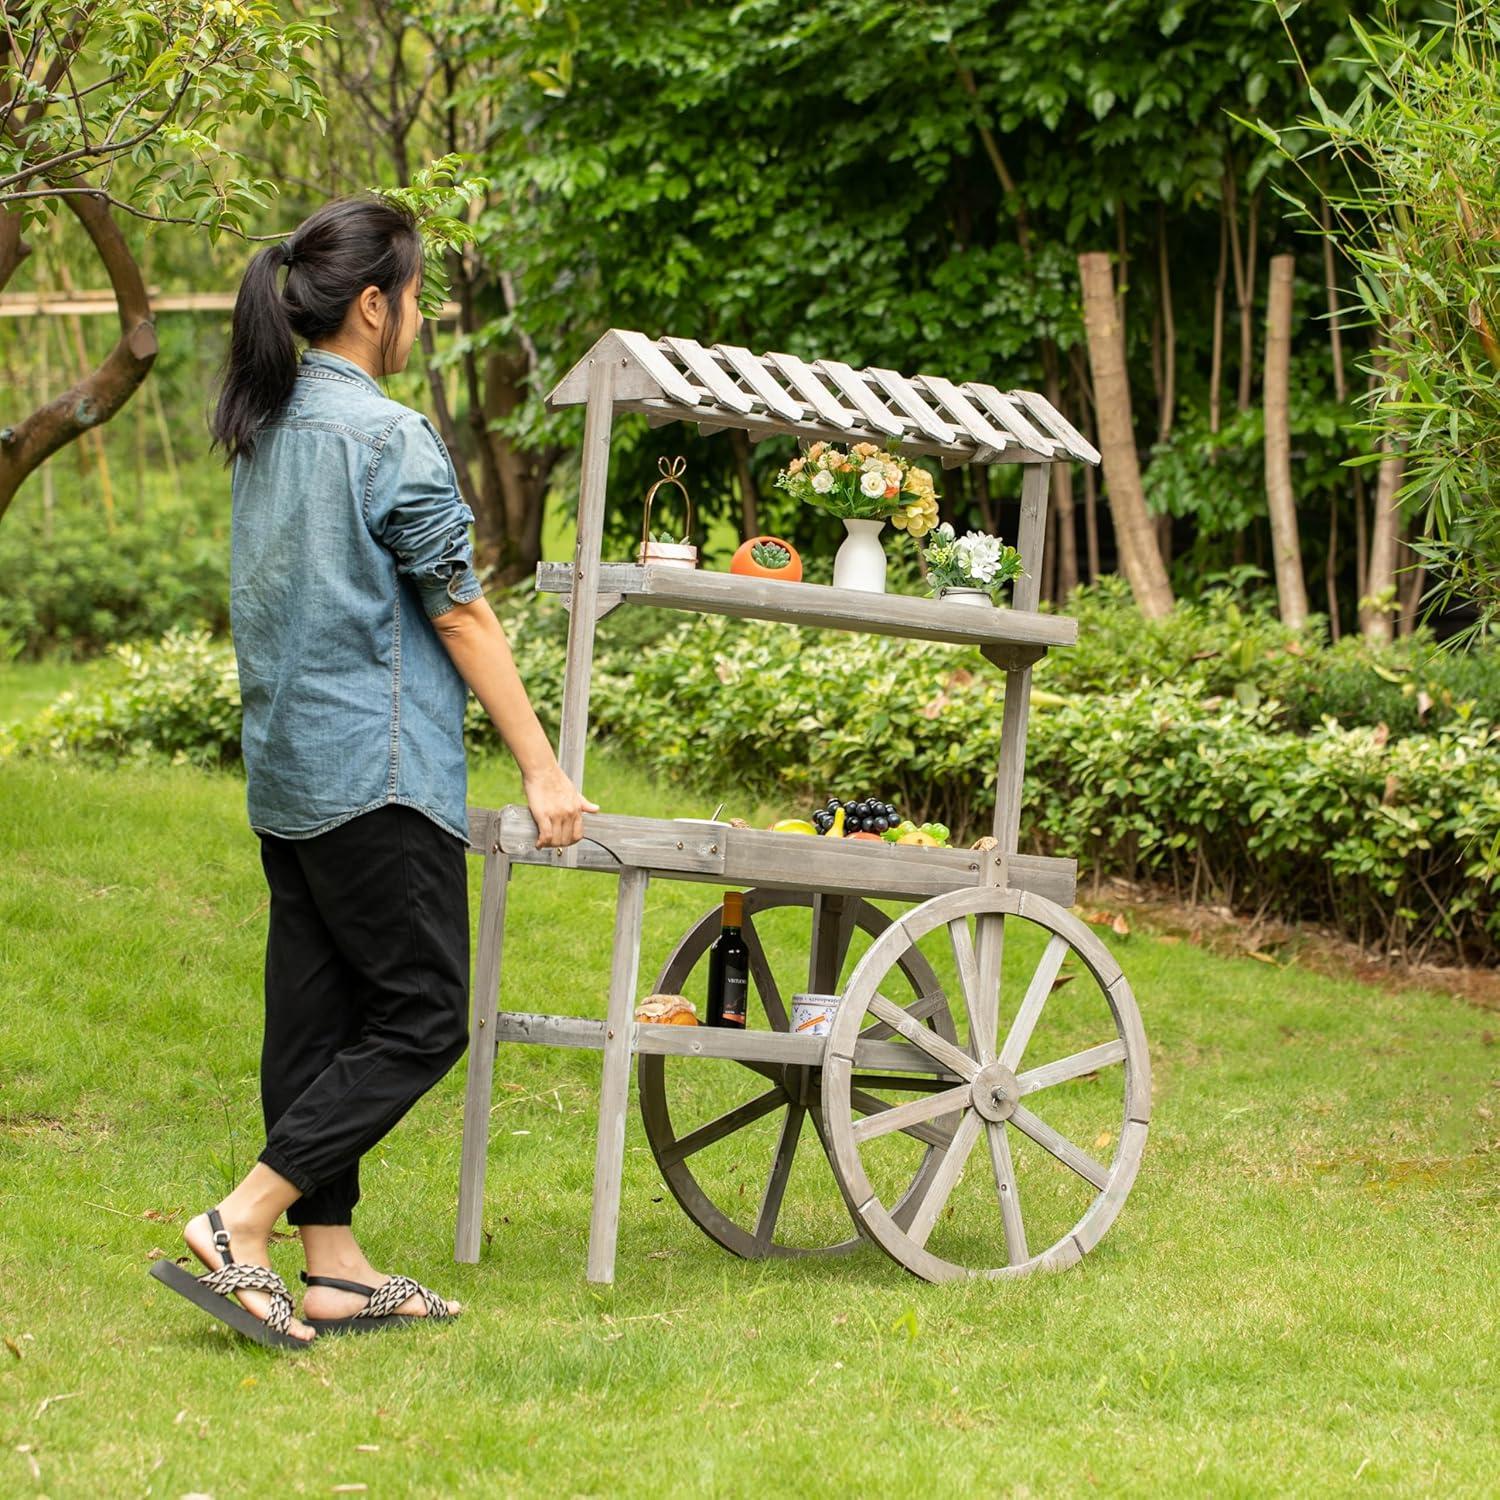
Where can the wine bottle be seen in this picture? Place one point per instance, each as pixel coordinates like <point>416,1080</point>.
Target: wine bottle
<point>729,968</point>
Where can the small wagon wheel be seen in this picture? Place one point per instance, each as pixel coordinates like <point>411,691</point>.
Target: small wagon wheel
<point>990,1090</point>
<point>793,1091</point>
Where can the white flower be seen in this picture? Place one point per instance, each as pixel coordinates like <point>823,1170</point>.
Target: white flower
<point>945,531</point>
<point>873,464</point>
<point>979,555</point>
<point>872,484</point>
<point>822,481</point>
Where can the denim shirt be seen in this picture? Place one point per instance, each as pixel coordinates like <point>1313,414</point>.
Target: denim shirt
<point>349,537</point>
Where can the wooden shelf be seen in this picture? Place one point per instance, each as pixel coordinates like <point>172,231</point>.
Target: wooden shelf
<point>1011,637</point>
<point>720,855</point>
<point>773,1048</point>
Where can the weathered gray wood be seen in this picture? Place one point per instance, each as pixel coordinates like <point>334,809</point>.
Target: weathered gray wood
<point>1012,418</point>
<point>929,1135</point>
<point>804,380</point>
<point>479,1084</point>
<point>910,400</point>
<point>1005,1192</point>
<point>721,1125</point>
<point>992,440</point>
<point>781,1171</point>
<point>593,478</point>
<point>754,373</point>
<point>614,1085</point>
<point>784,861</point>
<point>914,1112</point>
<point>1060,1146</point>
<point>1055,425</point>
<point>854,385</point>
<point>932,1002</point>
<point>1031,537</point>
<point>942,1052</point>
<point>1037,992</point>
<point>631,381</point>
<point>984,1015</point>
<point>954,1159</point>
<point>1108,1204</point>
<point>1065,1069</point>
<point>819,606</point>
<point>832,930</point>
<point>658,367</point>
<point>702,364</point>
<point>763,978</point>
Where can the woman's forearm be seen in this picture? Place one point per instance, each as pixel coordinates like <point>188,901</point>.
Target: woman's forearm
<point>475,641</point>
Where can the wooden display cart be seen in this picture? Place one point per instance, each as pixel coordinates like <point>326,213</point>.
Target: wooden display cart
<point>896,1030</point>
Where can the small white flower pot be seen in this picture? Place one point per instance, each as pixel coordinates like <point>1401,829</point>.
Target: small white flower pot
<point>860,561</point>
<point>673,554</point>
<point>967,596</point>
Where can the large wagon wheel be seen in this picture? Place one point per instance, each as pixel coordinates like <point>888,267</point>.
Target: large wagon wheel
<point>795,1091</point>
<point>990,1091</point>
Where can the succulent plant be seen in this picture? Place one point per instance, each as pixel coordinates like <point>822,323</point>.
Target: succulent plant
<point>770,554</point>
<point>666,539</point>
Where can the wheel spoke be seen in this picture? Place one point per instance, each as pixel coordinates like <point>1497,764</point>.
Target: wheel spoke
<point>1060,1147</point>
<point>981,1016</point>
<point>725,1124</point>
<point>914,1112</point>
<point>946,1177</point>
<point>1068,1068</point>
<point>765,980</point>
<point>929,1135</point>
<point>781,1170</point>
<point>1036,997</point>
<point>928,1041</point>
<point>1005,1188</point>
<point>989,928</point>
<point>919,1010</point>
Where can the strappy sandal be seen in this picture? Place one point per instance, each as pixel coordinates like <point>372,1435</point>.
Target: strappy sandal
<point>380,1311</point>
<point>214,1290</point>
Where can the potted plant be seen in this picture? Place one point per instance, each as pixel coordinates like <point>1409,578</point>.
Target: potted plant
<point>767,557</point>
<point>864,487</point>
<point>969,569</point>
<point>661,545</point>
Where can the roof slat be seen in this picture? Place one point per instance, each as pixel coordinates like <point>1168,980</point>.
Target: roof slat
<point>657,366</point>
<point>752,370</point>
<point>807,385</point>
<point>703,365</point>
<point>1012,417</point>
<point>854,385</point>
<point>969,417</point>
<point>1058,425</point>
<point>909,399</point>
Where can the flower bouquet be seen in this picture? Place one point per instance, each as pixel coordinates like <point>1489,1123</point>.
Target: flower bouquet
<point>971,568</point>
<point>864,487</point>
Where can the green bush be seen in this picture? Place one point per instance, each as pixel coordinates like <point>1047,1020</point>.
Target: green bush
<point>84,587</point>
<point>1184,767</point>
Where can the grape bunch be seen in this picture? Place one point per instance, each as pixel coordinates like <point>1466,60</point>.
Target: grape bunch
<point>867,816</point>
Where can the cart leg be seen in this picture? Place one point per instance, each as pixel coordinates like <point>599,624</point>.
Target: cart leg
<point>486,1006</point>
<point>831,930</point>
<point>614,1086</point>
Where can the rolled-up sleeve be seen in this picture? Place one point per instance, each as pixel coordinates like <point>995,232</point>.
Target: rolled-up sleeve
<point>414,509</point>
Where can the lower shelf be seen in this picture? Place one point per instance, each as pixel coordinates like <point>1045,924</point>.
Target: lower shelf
<point>771,1047</point>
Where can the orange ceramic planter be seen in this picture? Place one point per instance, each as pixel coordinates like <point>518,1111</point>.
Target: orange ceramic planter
<point>743,563</point>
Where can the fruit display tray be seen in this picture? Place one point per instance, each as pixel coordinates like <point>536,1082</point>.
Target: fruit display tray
<point>1010,637</point>
<point>722,855</point>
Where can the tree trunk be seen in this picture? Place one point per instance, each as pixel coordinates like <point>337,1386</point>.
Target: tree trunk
<point>521,475</point>
<point>1168,330</point>
<point>1062,486</point>
<point>1244,281</point>
<point>1134,532</point>
<point>739,444</point>
<point>1286,550</point>
<point>1216,359</point>
<point>103,391</point>
<point>1375,607</point>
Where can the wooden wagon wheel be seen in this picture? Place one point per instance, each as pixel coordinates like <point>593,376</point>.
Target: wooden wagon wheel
<point>990,1090</point>
<point>795,1091</point>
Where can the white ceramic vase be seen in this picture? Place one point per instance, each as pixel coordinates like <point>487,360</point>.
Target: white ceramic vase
<point>860,561</point>
<point>966,596</point>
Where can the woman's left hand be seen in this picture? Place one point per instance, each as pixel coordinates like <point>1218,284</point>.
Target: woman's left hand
<point>557,807</point>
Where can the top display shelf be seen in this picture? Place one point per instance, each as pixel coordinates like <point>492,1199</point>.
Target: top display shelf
<point>1012,637</point>
<point>724,385</point>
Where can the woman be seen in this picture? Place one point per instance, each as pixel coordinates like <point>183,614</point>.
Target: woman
<point>359,627</point>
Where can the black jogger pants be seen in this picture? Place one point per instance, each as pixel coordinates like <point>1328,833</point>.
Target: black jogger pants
<point>367,991</point>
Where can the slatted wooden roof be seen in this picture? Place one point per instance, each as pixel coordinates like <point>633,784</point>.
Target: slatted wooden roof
<point>725,385</point>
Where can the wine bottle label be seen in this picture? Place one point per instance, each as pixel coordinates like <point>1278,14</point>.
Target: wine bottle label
<point>734,997</point>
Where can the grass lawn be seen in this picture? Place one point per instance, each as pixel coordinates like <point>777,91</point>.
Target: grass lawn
<point>1298,1298</point>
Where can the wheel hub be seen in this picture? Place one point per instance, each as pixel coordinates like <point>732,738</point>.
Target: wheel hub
<point>995,1092</point>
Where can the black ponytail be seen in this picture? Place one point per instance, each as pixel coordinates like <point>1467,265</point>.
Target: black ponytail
<point>330,259</point>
